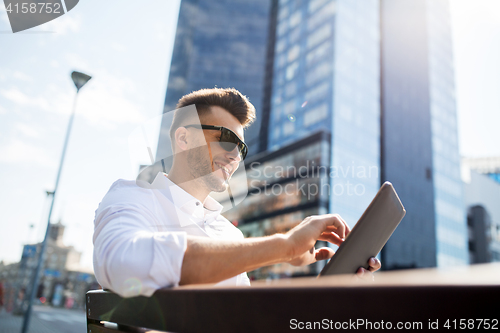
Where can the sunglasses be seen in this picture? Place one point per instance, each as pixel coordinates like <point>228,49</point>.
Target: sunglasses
<point>227,139</point>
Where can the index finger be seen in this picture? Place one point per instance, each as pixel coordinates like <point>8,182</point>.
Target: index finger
<point>348,230</point>
<point>339,226</point>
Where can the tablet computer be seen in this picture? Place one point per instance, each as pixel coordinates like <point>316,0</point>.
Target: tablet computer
<point>370,233</point>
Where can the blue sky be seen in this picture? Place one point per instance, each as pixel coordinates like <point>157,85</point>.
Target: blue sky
<point>127,50</point>
<point>126,47</point>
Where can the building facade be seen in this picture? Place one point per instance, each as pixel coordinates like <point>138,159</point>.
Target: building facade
<point>482,195</point>
<point>62,281</point>
<point>419,135</point>
<point>482,247</point>
<point>486,165</point>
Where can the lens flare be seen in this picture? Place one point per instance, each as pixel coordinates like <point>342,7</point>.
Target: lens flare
<point>133,285</point>
<point>291,117</point>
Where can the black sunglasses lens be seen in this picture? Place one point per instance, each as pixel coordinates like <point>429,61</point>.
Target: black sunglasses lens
<point>229,141</point>
<point>228,146</point>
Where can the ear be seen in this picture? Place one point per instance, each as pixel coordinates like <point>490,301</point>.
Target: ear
<point>181,138</point>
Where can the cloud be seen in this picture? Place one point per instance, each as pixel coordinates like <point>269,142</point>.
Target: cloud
<point>109,100</point>
<point>27,130</point>
<point>74,60</point>
<point>15,95</point>
<point>63,24</point>
<point>17,151</point>
<point>2,110</point>
<point>106,101</point>
<point>22,76</point>
<point>118,47</point>
<point>4,21</point>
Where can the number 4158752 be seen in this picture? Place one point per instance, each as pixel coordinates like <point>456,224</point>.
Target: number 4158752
<point>40,7</point>
<point>488,324</point>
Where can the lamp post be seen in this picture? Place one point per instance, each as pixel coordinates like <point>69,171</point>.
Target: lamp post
<point>79,79</point>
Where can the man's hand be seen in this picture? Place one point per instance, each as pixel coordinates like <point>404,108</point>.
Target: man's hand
<point>331,228</point>
<point>301,239</point>
<point>367,274</point>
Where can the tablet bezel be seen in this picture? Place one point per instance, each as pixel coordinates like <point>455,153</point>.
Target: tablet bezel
<point>369,235</point>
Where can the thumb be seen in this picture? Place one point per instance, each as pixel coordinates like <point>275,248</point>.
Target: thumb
<point>324,253</point>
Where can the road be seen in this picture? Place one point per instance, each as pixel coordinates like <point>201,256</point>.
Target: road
<point>46,319</point>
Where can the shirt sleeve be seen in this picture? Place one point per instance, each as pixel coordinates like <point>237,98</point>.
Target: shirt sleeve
<point>244,280</point>
<point>130,256</point>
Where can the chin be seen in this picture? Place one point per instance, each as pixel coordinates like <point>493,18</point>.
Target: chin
<point>216,184</point>
<point>223,186</point>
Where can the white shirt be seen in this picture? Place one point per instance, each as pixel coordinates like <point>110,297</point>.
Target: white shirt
<point>140,235</point>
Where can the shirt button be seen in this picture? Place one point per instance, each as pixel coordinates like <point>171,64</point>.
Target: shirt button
<point>197,203</point>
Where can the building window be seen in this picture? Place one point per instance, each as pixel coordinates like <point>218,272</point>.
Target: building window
<point>317,92</point>
<point>315,4</point>
<point>277,98</point>
<point>282,28</point>
<point>289,107</point>
<point>317,53</point>
<point>281,61</point>
<point>291,70</point>
<point>293,53</point>
<point>288,128</point>
<point>295,19</point>
<point>320,71</point>
<point>280,45</point>
<point>319,35</point>
<point>276,133</point>
<point>321,15</point>
<point>283,13</point>
<point>315,115</point>
<point>291,89</point>
<point>294,36</point>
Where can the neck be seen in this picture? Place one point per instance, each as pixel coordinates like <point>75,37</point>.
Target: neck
<point>184,180</point>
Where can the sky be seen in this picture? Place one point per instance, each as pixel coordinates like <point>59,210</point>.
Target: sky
<point>127,51</point>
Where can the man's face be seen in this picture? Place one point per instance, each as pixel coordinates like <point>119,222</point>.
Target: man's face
<point>212,164</point>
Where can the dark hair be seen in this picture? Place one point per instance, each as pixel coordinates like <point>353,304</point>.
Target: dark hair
<point>229,99</point>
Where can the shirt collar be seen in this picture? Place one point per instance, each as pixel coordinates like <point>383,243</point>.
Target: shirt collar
<point>185,202</point>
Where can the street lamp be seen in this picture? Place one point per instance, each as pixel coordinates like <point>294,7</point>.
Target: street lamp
<point>79,79</point>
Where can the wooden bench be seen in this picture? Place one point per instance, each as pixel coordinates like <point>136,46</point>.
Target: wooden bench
<point>415,299</point>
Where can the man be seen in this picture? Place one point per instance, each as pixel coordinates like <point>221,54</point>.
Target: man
<point>171,232</point>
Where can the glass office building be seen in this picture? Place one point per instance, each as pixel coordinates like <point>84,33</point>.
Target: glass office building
<point>451,217</point>
<point>326,76</point>
<point>379,77</point>
<point>420,146</point>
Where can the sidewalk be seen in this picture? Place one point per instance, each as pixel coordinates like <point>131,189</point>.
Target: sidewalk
<point>13,324</point>
<point>45,320</point>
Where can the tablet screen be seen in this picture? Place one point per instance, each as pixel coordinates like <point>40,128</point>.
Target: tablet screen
<point>370,233</point>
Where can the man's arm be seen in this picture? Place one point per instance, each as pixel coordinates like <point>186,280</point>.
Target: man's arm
<point>209,260</point>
